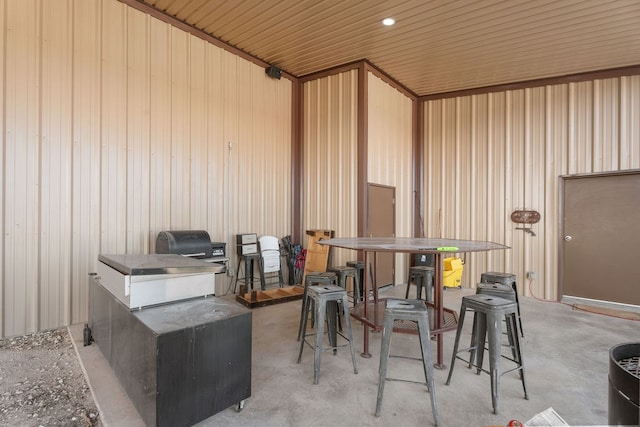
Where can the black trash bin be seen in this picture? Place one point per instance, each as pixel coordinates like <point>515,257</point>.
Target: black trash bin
<point>624,384</point>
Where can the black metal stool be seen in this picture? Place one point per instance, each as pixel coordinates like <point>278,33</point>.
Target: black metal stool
<point>505,279</point>
<point>314,278</point>
<point>327,299</point>
<point>422,276</point>
<point>358,265</point>
<point>249,260</point>
<point>416,311</point>
<point>342,272</point>
<point>488,314</point>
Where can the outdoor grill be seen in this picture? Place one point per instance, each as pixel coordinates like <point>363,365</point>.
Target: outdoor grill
<point>194,244</point>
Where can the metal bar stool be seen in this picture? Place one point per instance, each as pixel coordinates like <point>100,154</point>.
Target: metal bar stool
<point>314,278</point>
<point>488,313</point>
<point>501,291</point>
<point>342,272</point>
<point>422,276</point>
<point>358,265</point>
<point>505,279</point>
<point>416,311</point>
<point>327,299</point>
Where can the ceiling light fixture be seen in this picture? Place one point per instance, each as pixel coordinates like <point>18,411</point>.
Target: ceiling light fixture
<point>388,21</point>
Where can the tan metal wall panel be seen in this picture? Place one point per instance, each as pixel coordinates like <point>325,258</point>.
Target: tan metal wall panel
<point>330,157</point>
<point>113,205</point>
<point>580,127</point>
<point>606,124</point>
<point>556,146</point>
<point>488,155</point>
<point>118,126</point>
<point>137,133</point>
<point>160,107</point>
<point>22,151</point>
<point>390,145</point>
<point>3,132</point>
<point>629,123</point>
<point>198,155</point>
<point>219,196</point>
<point>262,159</point>
<point>55,165</point>
<point>86,170</point>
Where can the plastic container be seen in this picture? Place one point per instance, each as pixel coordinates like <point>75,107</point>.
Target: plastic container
<point>452,273</point>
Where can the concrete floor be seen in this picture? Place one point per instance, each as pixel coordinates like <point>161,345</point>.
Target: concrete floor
<point>565,351</point>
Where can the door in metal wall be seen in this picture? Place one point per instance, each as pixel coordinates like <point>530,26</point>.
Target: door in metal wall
<point>381,219</point>
<point>601,235</point>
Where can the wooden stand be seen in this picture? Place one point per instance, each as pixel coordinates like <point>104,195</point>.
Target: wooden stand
<point>269,297</point>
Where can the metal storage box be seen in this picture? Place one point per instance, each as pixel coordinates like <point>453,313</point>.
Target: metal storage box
<point>247,244</point>
<point>179,363</point>
<point>246,239</point>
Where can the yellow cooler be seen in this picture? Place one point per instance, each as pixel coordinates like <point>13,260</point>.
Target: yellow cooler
<point>452,273</point>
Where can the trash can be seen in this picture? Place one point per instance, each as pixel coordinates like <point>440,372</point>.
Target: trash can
<point>452,272</point>
<point>624,384</point>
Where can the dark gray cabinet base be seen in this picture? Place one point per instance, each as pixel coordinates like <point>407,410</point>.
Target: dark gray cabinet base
<point>179,363</point>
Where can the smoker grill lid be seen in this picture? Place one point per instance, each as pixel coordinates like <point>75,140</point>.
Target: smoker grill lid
<point>146,264</point>
<point>184,242</point>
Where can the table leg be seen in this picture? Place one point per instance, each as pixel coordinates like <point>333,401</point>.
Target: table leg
<point>439,311</point>
<point>365,298</point>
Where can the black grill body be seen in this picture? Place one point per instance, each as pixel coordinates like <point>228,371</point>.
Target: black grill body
<point>184,242</point>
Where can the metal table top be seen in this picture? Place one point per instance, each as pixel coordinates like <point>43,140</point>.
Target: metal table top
<point>411,244</point>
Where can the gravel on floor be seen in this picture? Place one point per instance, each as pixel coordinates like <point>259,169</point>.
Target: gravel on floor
<point>42,383</point>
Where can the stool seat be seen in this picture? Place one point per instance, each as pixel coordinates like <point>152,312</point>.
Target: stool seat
<point>498,277</point>
<point>505,279</point>
<point>411,310</point>
<point>497,290</point>
<point>326,300</point>
<point>422,276</point>
<point>488,312</point>
<point>344,271</point>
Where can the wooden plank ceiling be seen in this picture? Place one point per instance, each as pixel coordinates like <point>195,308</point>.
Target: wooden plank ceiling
<point>435,46</point>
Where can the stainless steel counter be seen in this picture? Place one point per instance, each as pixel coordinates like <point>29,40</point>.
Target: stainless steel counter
<point>146,264</point>
<point>145,280</point>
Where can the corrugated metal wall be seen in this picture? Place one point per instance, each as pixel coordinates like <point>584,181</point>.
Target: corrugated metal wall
<point>116,126</point>
<point>330,157</point>
<point>390,144</point>
<point>488,155</point>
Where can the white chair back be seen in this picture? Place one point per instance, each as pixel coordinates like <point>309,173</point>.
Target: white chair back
<point>270,253</point>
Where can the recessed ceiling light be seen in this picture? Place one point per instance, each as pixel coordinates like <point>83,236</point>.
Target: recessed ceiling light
<point>388,21</point>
